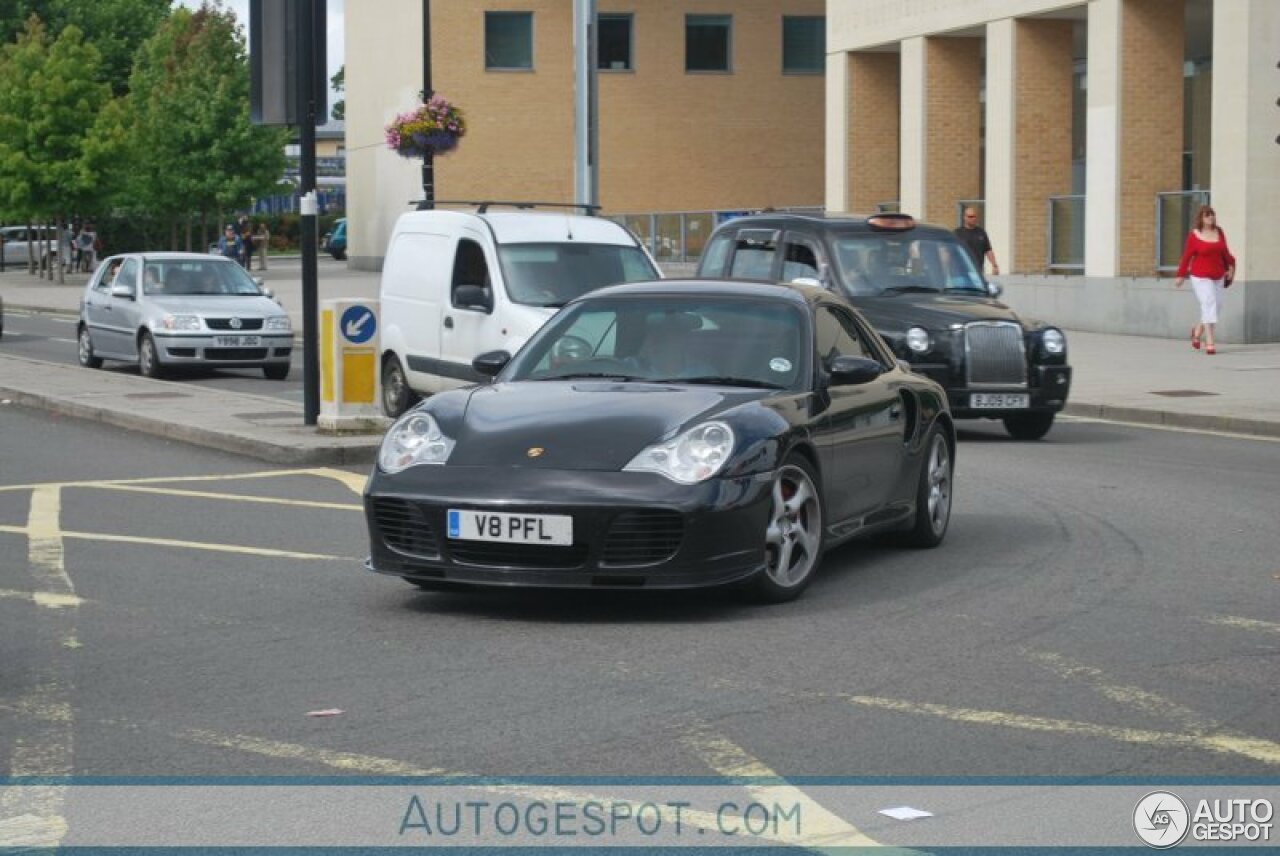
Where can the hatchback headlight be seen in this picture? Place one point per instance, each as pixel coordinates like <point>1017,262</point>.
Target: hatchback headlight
<point>278,322</point>
<point>414,439</point>
<point>180,322</point>
<point>694,456</point>
<point>1054,342</point>
<point>918,340</point>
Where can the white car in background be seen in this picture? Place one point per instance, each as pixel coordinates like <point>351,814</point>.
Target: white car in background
<point>17,244</point>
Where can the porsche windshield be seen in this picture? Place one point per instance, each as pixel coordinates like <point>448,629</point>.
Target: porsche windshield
<point>554,274</point>
<point>876,263</point>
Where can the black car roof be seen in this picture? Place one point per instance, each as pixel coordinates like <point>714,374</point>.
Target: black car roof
<point>846,223</point>
<point>714,287</point>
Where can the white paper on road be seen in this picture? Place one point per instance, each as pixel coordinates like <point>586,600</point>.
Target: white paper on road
<point>905,812</point>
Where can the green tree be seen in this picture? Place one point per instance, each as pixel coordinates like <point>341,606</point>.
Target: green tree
<point>49,101</point>
<point>189,145</point>
<point>339,83</point>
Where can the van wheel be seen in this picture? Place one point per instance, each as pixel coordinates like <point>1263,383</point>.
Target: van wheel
<point>396,395</point>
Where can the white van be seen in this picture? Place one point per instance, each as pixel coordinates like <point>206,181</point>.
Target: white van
<point>456,284</point>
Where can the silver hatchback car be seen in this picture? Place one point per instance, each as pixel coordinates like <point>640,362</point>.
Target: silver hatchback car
<point>166,310</point>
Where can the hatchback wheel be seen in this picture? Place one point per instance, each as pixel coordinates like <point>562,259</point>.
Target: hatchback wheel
<point>84,345</point>
<point>396,395</point>
<point>793,537</point>
<point>933,492</point>
<point>149,357</point>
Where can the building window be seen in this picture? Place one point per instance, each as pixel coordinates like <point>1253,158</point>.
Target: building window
<point>508,41</point>
<point>613,42</point>
<point>804,45</point>
<point>708,42</point>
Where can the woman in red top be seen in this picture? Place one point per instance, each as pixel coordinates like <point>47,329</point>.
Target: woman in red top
<point>1212,267</point>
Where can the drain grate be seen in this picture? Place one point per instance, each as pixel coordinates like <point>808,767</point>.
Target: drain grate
<point>1181,393</point>
<point>156,395</point>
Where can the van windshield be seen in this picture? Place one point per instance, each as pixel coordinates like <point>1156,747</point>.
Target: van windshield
<point>554,274</point>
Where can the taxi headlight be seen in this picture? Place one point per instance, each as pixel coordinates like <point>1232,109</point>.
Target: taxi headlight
<point>1054,342</point>
<point>180,322</point>
<point>414,439</point>
<point>694,456</point>
<point>918,340</point>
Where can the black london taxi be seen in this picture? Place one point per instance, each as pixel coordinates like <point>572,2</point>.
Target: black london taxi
<point>920,289</point>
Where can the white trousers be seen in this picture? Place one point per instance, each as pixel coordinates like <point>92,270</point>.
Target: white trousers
<point>1209,293</point>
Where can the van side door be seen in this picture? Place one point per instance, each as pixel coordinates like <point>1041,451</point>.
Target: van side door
<point>413,287</point>
<point>471,319</point>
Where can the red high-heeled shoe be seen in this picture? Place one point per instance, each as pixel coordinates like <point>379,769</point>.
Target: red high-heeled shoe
<point>1195,340</point>
<point>1210,349</point>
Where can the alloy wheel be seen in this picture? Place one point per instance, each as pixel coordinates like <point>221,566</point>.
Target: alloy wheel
<point>794,536</point>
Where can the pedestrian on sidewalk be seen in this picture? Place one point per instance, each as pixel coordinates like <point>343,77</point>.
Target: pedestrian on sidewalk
<point>976,240</point>
<point>261,242</point>
<point>1212,268</point>
<point>229,244</point>
<point>88,244</point>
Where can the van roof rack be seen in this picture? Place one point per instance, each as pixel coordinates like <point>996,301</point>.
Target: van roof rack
<point>482,205</point>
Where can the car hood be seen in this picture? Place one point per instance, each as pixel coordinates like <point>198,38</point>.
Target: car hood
<point>578,425</point>
<point>932,311</point>
<point>222,306</point>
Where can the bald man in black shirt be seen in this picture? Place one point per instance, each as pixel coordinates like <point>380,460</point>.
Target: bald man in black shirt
<point>975,239</point>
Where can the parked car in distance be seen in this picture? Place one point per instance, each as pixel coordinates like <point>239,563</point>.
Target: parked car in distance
<point>336,242</point>
<point>17,244</point>
<point>920,289</point>
<point>170,310</point>
<point>666,435</point>
<point>458,283</point>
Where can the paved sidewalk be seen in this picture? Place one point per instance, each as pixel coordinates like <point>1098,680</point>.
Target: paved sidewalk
<point>1123,378</point>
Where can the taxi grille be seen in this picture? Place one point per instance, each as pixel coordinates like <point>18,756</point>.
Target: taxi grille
<point>995,354</point>
<point>225,324</point>
<point>404,528</point>
<point>488,554</point>
<point>642,538</point>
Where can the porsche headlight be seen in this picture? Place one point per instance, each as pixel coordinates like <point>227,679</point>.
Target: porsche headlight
<point>180,322</point>
<point>918,340</point>
<point>694,456</point>
<point>1054,342</point>
<point>415,439</point>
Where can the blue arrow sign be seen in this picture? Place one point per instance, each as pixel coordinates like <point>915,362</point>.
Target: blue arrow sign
<point>358,324</point>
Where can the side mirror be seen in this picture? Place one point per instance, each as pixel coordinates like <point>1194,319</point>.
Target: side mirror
<point>490,362</point>
<point>995,289</point>
<point>852,371</point>
<point>472,297</point>
<point>122,291</point>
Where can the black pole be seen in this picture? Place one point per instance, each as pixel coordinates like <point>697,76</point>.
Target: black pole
<point>428,161</point>
<point>307,187</point>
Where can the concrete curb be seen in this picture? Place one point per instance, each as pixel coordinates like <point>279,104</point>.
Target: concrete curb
<point>356,452</point>
<point>1171,419</point>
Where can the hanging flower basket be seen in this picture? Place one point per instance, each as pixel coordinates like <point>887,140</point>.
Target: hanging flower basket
<point>434,127</point>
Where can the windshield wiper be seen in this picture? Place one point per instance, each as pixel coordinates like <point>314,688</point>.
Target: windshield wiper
<point>903,289</point>
<point>589,376</point>
<point>720,380</point>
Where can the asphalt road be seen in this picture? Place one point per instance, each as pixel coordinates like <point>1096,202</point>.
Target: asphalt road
<point>1106,604</point>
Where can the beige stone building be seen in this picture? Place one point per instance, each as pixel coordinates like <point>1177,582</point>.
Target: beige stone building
<point>703,104</point>
<point>1087,131</point>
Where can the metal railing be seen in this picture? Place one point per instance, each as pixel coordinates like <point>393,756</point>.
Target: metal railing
<point>1175,212</point>
<point>1066,234</point>
<point>680,236</point>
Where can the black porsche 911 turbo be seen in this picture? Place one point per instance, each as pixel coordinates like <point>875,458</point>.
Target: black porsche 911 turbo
<point>670,434</point>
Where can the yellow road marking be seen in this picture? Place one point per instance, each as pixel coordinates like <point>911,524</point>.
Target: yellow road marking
<point>1242,623</point>
<point>1255,748</point>
<point>821,827</point>
<point>30,830</point>
<point>200,545</point>
<point>231,497</point>
<point>260,474</point>
<point>352,480</point>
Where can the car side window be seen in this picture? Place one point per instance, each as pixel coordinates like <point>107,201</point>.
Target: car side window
<point>837,335</point>
<point>102,282</point>
<point>714,255</point>
<point>470,268</point>
<point>800,260</point>
<point>128,276</point>
<point>753,254</point>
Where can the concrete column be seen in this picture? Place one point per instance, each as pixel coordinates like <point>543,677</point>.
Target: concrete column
<point>953,74</point>
<point>1042,122</point>
<point>1000,219</point>
<point>912,165</point>
<point>873,139</point>
<point>1246,158</point>
<point>839,133</point>
<point>1102,141</point>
